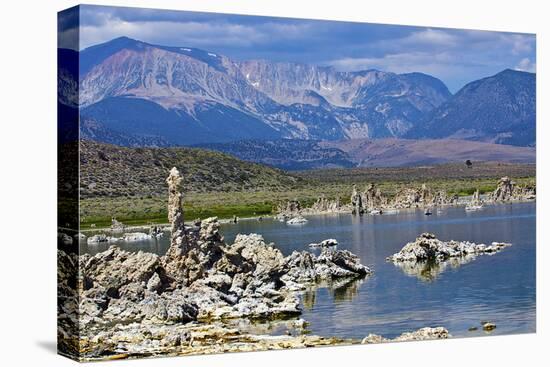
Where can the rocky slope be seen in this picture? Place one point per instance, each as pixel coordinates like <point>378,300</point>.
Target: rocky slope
<point>109,170</point>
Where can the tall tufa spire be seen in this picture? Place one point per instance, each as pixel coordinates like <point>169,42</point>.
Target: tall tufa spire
<point>175,211</point>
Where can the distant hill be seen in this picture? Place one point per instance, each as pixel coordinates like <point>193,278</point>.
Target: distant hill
<point>286,154</point>
<point>403,152</point>
<point>499,109</point>
<point>308,154</point>
<point>109,170</point>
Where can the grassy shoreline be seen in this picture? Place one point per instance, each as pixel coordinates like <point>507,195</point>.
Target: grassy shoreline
<point>136,211</point>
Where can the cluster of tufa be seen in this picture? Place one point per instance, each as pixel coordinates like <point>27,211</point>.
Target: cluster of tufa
<point>428,248</point>
<point>199,278</point>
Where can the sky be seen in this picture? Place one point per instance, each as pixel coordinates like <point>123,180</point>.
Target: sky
<point>456,56</point>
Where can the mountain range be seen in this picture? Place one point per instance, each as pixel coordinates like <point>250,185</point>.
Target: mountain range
<point>134,93</point>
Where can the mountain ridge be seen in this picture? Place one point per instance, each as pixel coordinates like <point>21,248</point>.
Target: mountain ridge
<point>306,102</point>
<point>500,108</point>
<point>192,96</point>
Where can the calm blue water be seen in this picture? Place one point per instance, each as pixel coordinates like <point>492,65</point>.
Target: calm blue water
<point>499,288</point>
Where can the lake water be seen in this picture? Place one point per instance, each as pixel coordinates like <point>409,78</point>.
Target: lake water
<point>498,288</point>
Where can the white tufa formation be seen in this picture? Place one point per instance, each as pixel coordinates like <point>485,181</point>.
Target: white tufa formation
<point>175,212</point>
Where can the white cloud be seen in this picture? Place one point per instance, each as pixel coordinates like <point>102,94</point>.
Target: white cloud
<point>525,64</point>
<point>195,34</point>
<point>427,62</point>
<point>432,37</point>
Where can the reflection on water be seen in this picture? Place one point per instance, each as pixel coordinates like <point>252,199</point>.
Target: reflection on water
<point>342,290</point>
<point>456,294</point>
<point>429,270</point>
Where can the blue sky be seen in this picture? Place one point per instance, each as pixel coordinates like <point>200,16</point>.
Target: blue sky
<point>453,55</point>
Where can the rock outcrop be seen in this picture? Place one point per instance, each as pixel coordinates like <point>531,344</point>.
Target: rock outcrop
<point>101,238</point>
<point>117,226</point>
<point>504,190</point>
<point>507,190</point>
<point>372,198</point>
<point>428,248</point>
<point>411,197</point>
<point>324,206</point>
<point>124,341</point>
<point>305,267</point>
<point>179,266</point>
<point>427,256</point>
<point>356,202</point>
<point>293,209</point>
<point>200,278</point>
<point>288,210</point>
<point>175,213</point>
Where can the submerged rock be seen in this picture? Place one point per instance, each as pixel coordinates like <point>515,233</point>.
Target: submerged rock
<point>489,326</point>
<point>101,238</point>
<point>325,243</point>
<point>427,333</point>
<point>136,236</point>
<point>297,220</point>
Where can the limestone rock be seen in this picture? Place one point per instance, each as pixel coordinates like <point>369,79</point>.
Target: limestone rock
<point>426,247</point>
<point>325,243</point>
<point>288,210</point>
<point>101,238</point>
<point>507,190</point>
<point>175,213</point>
<point>504,190</point>
<point>136,237</point>
<point>489,326</point>
<point>297,220</point>
<point>115,268</point>
<point>140,303</point>
<point>356,202</point>
<point>325,206</point>
<point>426,333</point>
<point>154,283</point>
